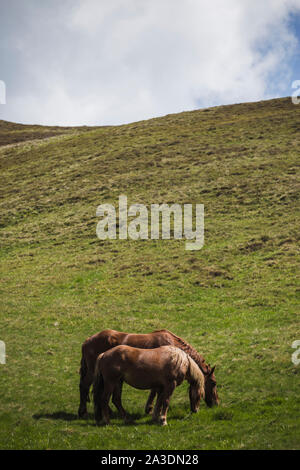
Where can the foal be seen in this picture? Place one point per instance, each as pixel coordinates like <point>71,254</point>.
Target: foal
<point>161,370</point>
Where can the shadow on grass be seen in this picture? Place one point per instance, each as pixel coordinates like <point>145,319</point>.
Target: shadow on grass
<point>62,415</point>
<point>134,419</point>
<point>131,420</point>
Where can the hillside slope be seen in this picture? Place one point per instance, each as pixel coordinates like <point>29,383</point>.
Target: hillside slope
<point>235,299</point>
<point>12,133</point>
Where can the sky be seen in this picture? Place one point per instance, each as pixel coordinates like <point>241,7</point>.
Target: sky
<point>107,62</point>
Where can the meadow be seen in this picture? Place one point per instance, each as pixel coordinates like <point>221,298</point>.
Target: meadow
<point>236,300</point>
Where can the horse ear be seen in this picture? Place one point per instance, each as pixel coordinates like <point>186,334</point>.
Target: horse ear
<point>212,370</point>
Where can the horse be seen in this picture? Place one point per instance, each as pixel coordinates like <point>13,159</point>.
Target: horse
<point>107,339</point>
<point>161,370</point>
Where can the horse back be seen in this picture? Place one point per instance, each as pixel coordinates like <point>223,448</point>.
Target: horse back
<point>101,342</point>
<point>144,368</point>
<point>147,341</point>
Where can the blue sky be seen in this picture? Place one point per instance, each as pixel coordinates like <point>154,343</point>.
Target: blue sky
<point>294,25</point>
<point>294,62</point>
<point>100,62</point>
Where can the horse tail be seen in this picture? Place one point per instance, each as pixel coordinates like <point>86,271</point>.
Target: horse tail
<point>98,388</point>
<point>83,371</point>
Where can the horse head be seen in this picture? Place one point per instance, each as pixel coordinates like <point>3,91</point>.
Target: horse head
<point>211,395</point>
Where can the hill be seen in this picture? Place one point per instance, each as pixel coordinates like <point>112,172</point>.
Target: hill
<point>235,300</point>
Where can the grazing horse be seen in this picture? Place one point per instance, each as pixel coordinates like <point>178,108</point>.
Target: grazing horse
<point>107,339</point>
<point>161,370</point>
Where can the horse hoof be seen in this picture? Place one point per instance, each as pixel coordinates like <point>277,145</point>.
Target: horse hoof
<point>162,421</point>
<point>83,414</point>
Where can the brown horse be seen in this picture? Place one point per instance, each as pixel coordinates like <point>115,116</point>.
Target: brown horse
<point>161,370</point>
<point>108,339</point>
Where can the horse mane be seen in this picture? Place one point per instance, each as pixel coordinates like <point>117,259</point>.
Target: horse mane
<point>178,356</point>
<point>181,360</point>
<point>196,374</point>
<point>189,350</point>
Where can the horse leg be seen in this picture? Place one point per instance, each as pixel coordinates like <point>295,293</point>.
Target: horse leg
<point>84,387</point>
<point>149,404</point>
<point>116,399</point>
<point>158,405</point>
<point>165,404</point>
<point>108,390</point>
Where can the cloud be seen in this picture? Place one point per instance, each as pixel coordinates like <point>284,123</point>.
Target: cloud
<point>100,62</point>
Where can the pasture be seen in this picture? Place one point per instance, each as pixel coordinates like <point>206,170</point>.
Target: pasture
<point>235,300</point>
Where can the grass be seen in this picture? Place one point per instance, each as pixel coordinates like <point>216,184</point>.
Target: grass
<point>235,300</point>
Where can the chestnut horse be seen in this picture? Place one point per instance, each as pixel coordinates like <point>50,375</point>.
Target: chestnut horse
<point>161,370</point>
<point>107,339</point>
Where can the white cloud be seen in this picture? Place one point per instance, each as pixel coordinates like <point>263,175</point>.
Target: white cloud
<point>128,60</point>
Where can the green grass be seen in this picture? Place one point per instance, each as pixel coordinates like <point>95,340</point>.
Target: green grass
<point>235,300</point>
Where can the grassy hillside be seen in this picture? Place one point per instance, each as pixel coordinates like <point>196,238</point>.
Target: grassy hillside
<point>235,300</point>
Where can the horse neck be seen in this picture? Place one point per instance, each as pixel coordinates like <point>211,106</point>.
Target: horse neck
<point>190,351</point>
